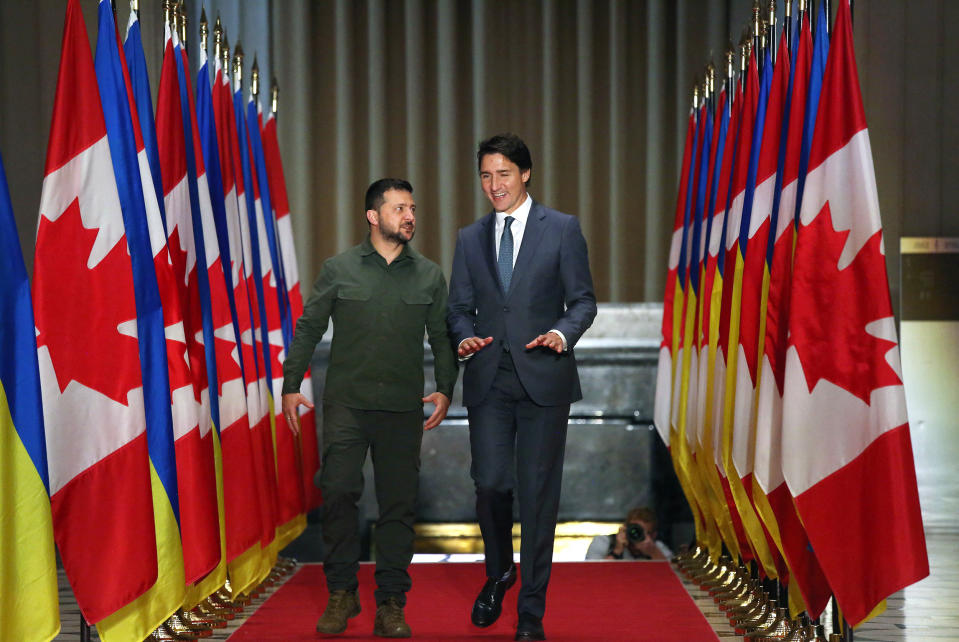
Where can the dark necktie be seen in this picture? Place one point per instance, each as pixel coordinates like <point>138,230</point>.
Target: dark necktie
<point>505,259</point>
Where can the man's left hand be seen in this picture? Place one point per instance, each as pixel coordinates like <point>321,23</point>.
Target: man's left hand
<point>291,402</point>
<point>550,340</point>
<point>442,403</point>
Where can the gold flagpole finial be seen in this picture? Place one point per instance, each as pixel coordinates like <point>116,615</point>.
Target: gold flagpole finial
<point>744,43</point>
<point>730,73</point>
<point>757,24</point>
<point>789,9</point>
<point>238,66</point>
<point>803,6</point>
<point>169,15</point>
<point>217,39</point>
<point>771,29</point>
<point>181,11</point>
<point>204,29</point>
<point>255,78</point>
<point>135,6</point>
<point>225,54</point>
<point>695,94</point>
<point>274,96</point>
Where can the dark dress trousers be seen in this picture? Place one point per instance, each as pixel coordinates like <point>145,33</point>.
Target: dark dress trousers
<point>518,400</point>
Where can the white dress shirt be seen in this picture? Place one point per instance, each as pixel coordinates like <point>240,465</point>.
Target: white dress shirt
<point>520,214</point>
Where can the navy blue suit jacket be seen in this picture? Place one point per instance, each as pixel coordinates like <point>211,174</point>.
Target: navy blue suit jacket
<point>551,288</point>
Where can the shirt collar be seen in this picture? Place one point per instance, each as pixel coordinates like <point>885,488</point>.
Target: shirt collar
<point>521,213</point>
<point>366,249</point>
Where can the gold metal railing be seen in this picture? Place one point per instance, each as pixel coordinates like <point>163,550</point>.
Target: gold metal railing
<point>571,537</point>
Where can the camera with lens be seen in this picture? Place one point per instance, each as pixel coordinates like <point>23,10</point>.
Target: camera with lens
<point>635,533</point>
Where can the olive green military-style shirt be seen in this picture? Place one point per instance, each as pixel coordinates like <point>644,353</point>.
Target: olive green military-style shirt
<point>379,311</point>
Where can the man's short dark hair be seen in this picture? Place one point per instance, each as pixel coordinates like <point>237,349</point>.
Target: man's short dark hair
<point>375,192</point>
<point>509,145</point>
<point>642,514</point>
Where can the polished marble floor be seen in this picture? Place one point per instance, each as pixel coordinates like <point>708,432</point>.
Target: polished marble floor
<point>926,610</point>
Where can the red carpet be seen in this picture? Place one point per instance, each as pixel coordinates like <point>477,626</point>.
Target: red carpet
<point>586,601</point>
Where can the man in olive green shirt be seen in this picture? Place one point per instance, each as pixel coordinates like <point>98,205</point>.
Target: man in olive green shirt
<point>380,295</point>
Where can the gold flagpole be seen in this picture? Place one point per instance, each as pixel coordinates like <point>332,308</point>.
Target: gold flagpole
<point>757,32</point>
<point>274,96</point>
<point>181,15</point>
<point>255,79</point>
<point>204,29</point>
<point>237,66</point>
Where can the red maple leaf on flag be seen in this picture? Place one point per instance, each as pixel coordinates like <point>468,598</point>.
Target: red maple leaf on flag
<point>271,295</point>
<point>226,350</point>
<point>227,365</point>
<point>190,312</point>
<point>81,309</point>
<point>276,365</point>
<point>179,367</point>
<point>831,308</point>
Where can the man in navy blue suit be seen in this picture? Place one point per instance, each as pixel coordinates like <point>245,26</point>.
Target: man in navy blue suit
<point>521,296</point>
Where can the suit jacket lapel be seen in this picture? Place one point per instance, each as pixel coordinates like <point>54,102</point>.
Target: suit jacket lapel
<point>531,237</point>
<point>489,247</point>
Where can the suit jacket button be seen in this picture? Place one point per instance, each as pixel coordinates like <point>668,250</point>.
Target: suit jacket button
<point>505,308</point>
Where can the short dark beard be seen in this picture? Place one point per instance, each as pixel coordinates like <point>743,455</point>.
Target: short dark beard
<point>397,238</point>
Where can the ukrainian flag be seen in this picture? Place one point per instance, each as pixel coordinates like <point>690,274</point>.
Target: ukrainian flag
<point>28,569</point>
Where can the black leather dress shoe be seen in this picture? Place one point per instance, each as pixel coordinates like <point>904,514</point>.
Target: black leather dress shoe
<point>529,628</point>
<point>489,602</point>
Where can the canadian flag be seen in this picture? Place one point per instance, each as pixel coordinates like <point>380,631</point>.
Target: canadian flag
<point>87,345</point>
<point>309,451</point>
<point>712,286</point>
<point>727,369</point>
<point>264,353</point>
<point>847,456</point>
<point>195,448</point>
<point>720,272</point>
<point>753,243</point>
<point>245,570</point>
<point>240,501</point>
<point>672,300</point>
<point>773,495</point>
<point>291,516</point>
<point>714,504</point>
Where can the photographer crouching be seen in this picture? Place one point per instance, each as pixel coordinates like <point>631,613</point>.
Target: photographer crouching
<point>636,540</point>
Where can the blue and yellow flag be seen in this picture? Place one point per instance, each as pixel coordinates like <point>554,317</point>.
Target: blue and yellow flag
<point>28,574</point>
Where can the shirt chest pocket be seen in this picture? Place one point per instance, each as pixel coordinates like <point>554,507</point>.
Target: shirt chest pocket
<point>354,293</point>
<point>417,298</point>
<point>352,306</point>
<point>415,308</point>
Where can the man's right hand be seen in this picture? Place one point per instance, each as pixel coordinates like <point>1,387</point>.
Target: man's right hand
<point>616,552</point>
<point>472,345</point>
<point>291,402</point>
